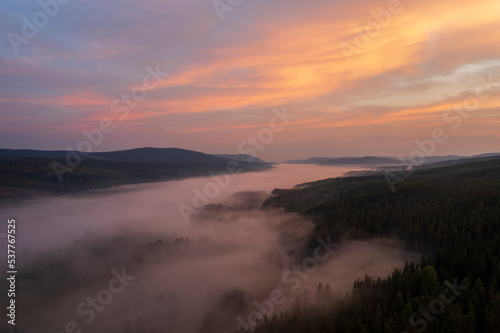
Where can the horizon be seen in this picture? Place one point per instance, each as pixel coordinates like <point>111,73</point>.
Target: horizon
<point>369,78</point>
<point>264,160</point>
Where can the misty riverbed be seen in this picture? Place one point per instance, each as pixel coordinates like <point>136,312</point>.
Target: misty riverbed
<point>125,260</point>
<point>57,221</point>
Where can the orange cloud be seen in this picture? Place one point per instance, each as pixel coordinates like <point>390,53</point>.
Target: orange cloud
<point>326,59</point>
<point>302,62</point>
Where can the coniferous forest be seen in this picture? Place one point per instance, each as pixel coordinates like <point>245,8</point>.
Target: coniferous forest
<point>451,215</point>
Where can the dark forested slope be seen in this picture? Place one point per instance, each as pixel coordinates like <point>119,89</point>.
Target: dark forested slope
<point>450,214</point>
<point>26,173</point>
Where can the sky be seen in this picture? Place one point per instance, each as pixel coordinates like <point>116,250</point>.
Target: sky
<point>283,78</point>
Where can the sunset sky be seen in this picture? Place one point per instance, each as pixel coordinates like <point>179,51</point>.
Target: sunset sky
<point>361,77</point>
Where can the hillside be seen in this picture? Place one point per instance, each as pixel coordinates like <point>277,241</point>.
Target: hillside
<point>450,214</point>
<point>367,160</point>
<point>28,173</point>
<point>390,161</point>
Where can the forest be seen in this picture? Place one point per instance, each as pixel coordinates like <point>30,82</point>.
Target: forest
<point>451,215</point>
<point>36,173</point>
<point>219,271</point>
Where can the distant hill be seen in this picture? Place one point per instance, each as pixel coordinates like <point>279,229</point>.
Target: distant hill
<point>27,173</point>
<point>29,153</point>
<point>459,160</point>
<point>240,157</point>
<point>383,160</point>
<point>161,155</point>
<point>367,160</point>
<point>137,155</point>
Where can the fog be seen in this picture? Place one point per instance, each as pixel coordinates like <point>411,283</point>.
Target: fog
<point>127,260</point>
<point>45,223</point>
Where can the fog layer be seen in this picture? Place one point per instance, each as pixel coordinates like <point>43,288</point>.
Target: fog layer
<point>126,260</point>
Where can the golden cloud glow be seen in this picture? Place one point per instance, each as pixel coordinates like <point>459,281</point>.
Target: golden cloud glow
<point>340,64</point>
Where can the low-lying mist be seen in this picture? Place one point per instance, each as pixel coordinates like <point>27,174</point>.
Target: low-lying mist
<point>55,221</point>
<point>127,267</point>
